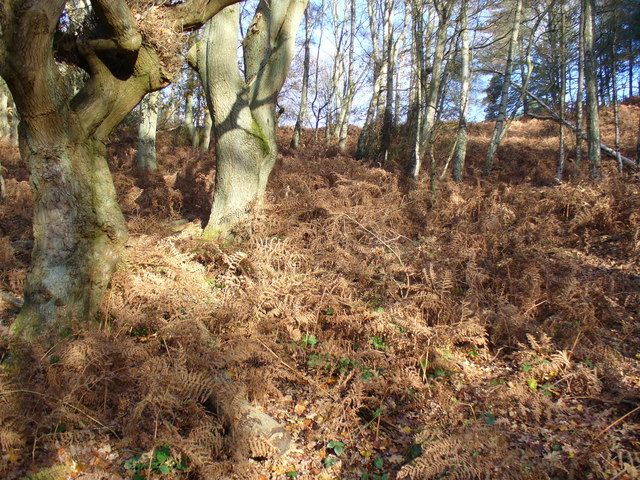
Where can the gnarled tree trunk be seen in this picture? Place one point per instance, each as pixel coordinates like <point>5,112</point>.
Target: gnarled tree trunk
<point>78,228</point>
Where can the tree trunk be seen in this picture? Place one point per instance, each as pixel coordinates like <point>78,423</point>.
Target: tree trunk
<point>465,79</point>
<point>5,127</point>
<point>350,86</point>
<point>630,68</point>
<point>593,123</point>
<point>387,121</point>
<point>580,92</point>
<point>205,141</point>
<point>78,229</point>
<point>366,141</point>
<point>432,99</point>
<point>146,154</point>
<point>244,122</point>
<point>189,125</point>
<point>614,91</point>
<point>562,93</point>
<point>302,112</point>
<point>504,94</point>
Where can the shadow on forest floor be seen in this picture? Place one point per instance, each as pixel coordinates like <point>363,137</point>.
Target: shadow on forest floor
<point>494,334</point>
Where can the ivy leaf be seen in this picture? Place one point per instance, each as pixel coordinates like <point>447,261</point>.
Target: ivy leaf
<point>162,454</point>
<point>336,446</point>
<point>378,463</point>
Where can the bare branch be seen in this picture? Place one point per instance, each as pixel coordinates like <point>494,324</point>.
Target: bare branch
<point>195,13</point>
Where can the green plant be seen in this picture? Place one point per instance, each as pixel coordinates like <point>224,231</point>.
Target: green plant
<point>337,447</point>
<point>160,461</point>
<point>329,311</point>
<point>309,340</point>
<point>378,343</point>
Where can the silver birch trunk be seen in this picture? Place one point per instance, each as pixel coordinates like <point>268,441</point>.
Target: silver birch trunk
<point>146,154</point>
<point>580,92</point>
<point>387,123</point>
<point>614,92</point>
<point>302,112</point>
<point>378,63</point>
<point>5,127</point>
<point>504,94</point>
<point>563,92</point>
<point>593,121</point>
<point>189,123</point>
<point>350,86</point>
<point>460,152</point>
<point>432,99</point>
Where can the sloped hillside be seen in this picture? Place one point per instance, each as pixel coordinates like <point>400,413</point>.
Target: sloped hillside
<point>489,332</point>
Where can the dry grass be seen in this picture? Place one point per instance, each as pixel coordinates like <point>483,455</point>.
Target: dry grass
<point>497,328</point>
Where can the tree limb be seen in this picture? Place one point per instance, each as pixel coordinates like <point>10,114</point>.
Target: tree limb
<point>117,15</point>
<point>193,14</point>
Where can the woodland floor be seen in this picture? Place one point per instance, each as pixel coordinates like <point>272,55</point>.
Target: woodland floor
<point>490,332</point>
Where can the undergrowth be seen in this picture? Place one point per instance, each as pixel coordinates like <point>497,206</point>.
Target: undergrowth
<point>492,335</point>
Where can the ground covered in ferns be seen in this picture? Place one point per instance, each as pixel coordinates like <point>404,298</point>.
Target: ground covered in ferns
<point>490,331</point>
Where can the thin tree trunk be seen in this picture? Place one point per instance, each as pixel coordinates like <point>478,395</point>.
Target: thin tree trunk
<point>593,123</point>
<point>302,112</point>
<point>366,141</point>
<point>387,122</point>
<point>562,93</point>
<point>432,99</point>
<point>465,79</point>
<point>504,94</point>
<point>5,127</point>
<point>614,90</point>
<point>580,93</point>
<point>205,140</point>
<point>350,87</point>
<point>146,154</point>
<point>630,68</point>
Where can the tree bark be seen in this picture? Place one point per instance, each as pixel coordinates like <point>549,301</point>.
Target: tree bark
<point>366,140</point>
<point>562,93</point>
<point>5,127</point>
<point>205,141</point>
<point>189,123</point>
<point>146,154</point>
<point>460,152</point>
<point>614,90</point>
<point>349,85</point>
<point>244,107</point>
<point>78,228</point>
<point>504,94</point>
<point>302,112</point>
<point>387,119</point>
<point>593,122</point>
<point>580,92</point>
<point>432,100</point>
